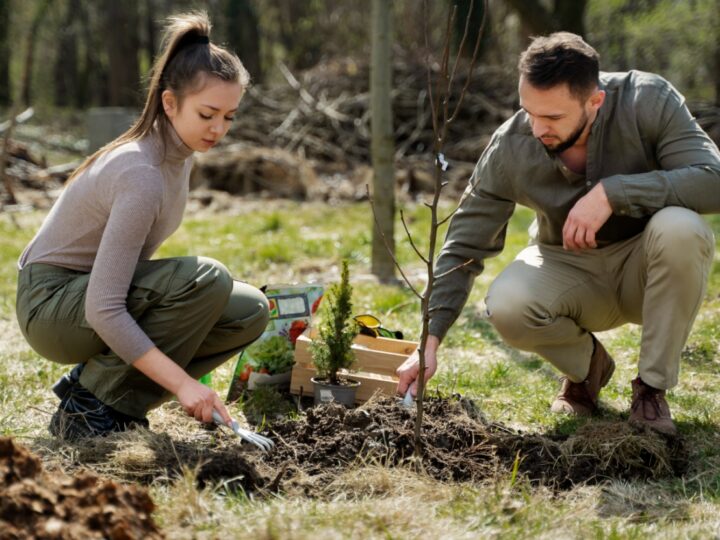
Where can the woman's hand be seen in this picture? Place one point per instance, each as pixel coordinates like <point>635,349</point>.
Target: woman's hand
<point>199,401</point>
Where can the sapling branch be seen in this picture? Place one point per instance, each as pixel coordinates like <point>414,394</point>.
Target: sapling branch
<point>457,267</point>
<point>439,99</point>
<point>387,246</point>
<point>472,61</point>
<point>410,238</point>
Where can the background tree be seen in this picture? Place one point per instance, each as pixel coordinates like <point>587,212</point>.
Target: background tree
<point>5,86</point>
<point>566,15</point>
<point>383,147</point>
<point>243,35</point>
<point>30,45</point>
<point>120,26</point>
<point>67,76</point>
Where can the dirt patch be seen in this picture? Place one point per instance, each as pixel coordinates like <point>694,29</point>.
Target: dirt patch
<point>459,446</point>
<point>38,504</point>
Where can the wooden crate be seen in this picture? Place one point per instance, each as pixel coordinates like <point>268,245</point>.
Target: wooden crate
<point>376,362</point>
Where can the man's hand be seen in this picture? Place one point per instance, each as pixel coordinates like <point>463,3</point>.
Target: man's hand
<point>585,219</point>
<point>408,371</point>
<point>199,401</point>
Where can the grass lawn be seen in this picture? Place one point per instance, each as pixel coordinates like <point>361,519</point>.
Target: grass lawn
<point>282,242</point>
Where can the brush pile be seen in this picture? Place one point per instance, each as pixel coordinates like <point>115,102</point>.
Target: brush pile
<point>325,113</point>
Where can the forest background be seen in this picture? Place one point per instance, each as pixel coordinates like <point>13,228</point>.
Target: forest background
<point>94,53</point>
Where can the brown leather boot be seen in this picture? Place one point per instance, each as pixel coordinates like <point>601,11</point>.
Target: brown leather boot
<point>649,408</point>
<point>581,398</point>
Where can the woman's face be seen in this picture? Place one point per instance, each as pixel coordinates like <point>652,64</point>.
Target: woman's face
<point>204,117</point>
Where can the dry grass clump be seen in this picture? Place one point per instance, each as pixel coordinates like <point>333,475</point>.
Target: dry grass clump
<point>617,449</point>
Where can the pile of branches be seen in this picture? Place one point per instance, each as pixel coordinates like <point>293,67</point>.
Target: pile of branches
<point>325,113</point>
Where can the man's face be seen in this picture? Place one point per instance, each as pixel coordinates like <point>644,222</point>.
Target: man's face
<point>558,119</point>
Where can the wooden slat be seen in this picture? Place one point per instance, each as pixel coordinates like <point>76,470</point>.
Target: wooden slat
<point>376,355</point>
<point>370,382</point>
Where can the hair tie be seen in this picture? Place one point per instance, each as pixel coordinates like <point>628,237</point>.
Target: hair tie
<point>197,39</point>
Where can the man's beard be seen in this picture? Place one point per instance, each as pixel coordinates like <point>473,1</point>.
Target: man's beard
<point>572,138</point>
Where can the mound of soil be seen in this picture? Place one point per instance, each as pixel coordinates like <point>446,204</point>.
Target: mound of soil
<point>458,445</point>
<point>38,504</point>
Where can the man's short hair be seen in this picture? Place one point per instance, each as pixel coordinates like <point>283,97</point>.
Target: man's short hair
<point>560,58</point>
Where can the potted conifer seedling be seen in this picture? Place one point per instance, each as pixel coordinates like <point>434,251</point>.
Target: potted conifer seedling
<point>332,349</point>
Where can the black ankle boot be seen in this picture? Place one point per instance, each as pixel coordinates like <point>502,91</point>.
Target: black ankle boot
<point>81,414</point>
<point>65,383</point>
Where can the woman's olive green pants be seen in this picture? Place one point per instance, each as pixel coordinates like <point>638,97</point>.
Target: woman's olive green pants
<point>190,307</point>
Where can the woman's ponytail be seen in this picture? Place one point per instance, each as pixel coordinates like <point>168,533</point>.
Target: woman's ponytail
<point>186,54</point>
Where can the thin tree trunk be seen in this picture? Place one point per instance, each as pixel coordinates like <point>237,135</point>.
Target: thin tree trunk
<point>717,68</point>
<point>382,147</point>
<point>568,15</point>
<point>66,64</point>
<point>121,29</point>
<point>26,85</point>
<point>5,87</point>
<point>243,35</point>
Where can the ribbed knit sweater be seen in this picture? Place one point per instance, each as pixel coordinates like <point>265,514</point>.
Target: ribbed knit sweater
<point>115,213</point>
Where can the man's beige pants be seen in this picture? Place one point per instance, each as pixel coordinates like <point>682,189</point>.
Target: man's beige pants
<point>190,307</point>
<point>548,300</point>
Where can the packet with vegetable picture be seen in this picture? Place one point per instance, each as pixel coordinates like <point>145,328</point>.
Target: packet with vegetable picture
<point>270,359</point>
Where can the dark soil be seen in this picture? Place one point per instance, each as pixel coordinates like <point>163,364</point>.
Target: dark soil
<point>458,446</point>
<point>38,504</point>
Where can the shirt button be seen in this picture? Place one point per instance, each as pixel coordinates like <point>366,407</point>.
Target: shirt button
<point>588,183</point>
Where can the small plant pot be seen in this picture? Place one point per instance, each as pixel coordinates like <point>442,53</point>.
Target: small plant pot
<point>341,393</point>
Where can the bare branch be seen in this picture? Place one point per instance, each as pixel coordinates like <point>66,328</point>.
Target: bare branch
<point>431,98</point>
<point>387,246</point>
<point>458,267</point>
<point>445,93</point>
<point>462,43</point>
<point>412,242</point>
<point>472,63</point>
<point>449,216</point>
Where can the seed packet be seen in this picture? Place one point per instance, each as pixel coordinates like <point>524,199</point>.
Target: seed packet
<point>269,360</point>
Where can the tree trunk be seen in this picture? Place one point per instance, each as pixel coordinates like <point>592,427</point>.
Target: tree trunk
<point>92,84</point>
<point>26,84</point>
<point>474,21</point>
<point>5,88</point>
<point>151,44</point>
<point>121,31</point>
<point>66,65</point>
<point>382,146</point>
<point>243,35</point>
<point>716,71</point>
<point>568,15</point>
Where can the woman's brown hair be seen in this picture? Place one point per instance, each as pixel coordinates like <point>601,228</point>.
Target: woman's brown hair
<point>186,58</point>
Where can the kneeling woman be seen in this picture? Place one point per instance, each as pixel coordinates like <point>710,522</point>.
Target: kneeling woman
<point>140,330</point>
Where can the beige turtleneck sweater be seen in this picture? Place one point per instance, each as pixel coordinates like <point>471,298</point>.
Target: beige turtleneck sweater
<point>114,214</point>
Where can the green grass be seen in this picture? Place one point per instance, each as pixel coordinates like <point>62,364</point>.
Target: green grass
<point>282,242</point>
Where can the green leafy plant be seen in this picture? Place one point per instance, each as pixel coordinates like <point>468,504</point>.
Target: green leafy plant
<point>275,354</point>
<point>332,350</point>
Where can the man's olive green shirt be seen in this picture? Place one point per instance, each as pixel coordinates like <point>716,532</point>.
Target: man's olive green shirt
<point>644,147</point>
